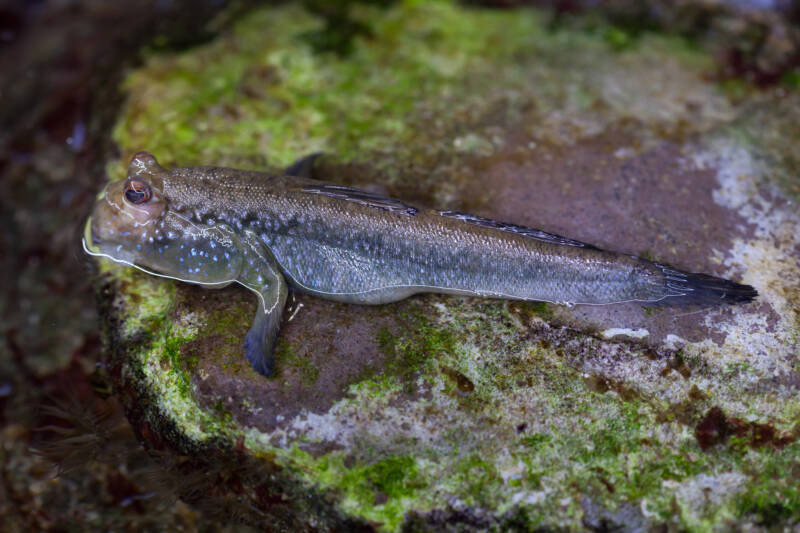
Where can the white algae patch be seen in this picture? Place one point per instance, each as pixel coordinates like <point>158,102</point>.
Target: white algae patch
<point>761,341</point>
<point>618,332</point>
<point>703,493</point>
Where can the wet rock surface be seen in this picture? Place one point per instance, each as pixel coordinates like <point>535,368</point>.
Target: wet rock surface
<point>440,413</point>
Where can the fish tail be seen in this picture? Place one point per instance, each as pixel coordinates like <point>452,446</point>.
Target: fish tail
<point>684,288</point>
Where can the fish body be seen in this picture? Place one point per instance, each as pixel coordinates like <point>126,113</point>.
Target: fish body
<point>214,226</point>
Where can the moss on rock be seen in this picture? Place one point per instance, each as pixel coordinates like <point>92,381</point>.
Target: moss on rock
<point>504,414</point>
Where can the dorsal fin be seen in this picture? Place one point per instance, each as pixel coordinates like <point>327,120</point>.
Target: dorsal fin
<point>362,198</point>
<point>303,167</point>
<point>532,233</point>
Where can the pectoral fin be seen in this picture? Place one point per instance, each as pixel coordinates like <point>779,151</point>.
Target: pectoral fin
<point>259,345</point>
<point>261,274</point>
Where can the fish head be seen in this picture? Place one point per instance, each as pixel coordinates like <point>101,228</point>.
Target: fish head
<point>127,213</point>
<point>133,222</point>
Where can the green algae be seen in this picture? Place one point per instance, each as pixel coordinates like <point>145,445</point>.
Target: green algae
<point>180,366</point>
<point>536,441</point>
<point>228,323</point>
<point>791,79</point>
<point>771,134</point>
<point>286,357</point>
<point>475,476</point>
<point>614,451</point>
<point>407,357</point>
<point>262,98</point>
<point>384,484</point>
<point>273,72</point>
<point>154,340</point>
<point>379,491</point>
<point>773,497</point>
<point>151,299</point>
<point>529,310</point>
<point>614,454</point>
<point>167,375</point>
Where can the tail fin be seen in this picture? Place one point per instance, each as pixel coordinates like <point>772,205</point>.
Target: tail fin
<point>684,288</point>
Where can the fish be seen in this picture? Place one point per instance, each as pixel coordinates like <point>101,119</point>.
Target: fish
<point>215,226</point>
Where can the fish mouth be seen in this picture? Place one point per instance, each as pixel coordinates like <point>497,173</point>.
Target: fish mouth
<point>90,238</point>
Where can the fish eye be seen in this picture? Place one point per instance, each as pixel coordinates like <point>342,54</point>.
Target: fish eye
<point>137,192</point>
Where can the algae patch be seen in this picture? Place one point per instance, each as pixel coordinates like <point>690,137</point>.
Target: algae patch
<point>408,356</point>
<point>166,373</point>
<point>434,76</point>
<point>759,346</point>
<point>287,357</point>
<point>534,432</point>
<point>382,485</point>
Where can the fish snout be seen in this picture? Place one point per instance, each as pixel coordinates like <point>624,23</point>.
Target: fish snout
<point>96,240</point>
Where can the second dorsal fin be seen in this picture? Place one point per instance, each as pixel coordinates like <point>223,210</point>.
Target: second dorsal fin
<point>532,233</point>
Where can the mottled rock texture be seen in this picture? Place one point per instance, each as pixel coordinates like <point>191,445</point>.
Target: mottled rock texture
<point>441,413</point>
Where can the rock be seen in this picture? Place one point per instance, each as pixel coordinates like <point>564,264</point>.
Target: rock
<point>441,413</point>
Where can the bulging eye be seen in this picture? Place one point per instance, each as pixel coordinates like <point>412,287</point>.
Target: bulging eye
<point>137,192</point>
